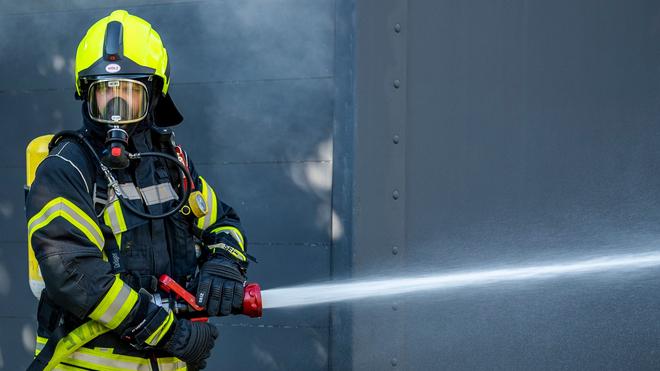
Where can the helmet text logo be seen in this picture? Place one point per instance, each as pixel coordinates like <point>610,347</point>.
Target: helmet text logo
<point>113,68</point>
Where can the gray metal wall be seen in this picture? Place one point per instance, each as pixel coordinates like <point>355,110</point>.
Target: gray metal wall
<point>518,132</point>
<point>256,82</point>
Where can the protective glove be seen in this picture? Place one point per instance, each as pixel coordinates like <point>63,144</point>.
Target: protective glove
<point>221,277</point>
<point>191,342</point>
<point>220,286</point>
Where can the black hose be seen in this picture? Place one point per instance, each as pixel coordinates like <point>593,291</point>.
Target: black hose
<point>186,187</point>
<point>182,168</point>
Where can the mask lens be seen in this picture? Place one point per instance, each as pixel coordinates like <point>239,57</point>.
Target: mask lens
<point>119,101</point>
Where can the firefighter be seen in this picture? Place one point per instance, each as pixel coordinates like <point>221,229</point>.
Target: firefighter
<point>105,224</point>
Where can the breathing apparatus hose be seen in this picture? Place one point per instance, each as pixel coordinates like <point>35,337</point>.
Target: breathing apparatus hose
<point>184,173</point>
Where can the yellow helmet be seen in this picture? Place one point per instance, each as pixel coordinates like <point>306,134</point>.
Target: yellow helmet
<point>122,45</point>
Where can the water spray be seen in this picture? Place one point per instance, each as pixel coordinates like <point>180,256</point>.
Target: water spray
<point>364,289</point>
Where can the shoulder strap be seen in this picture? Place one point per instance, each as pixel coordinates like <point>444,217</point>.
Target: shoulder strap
<point>164,139</point>
<point>73,135</point>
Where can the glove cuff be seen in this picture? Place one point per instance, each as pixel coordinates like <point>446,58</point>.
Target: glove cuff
<point>154,328</point>
<point>228,251</point>
<point>223,266</point>
<point>190,341</point>
<point>228,241</point>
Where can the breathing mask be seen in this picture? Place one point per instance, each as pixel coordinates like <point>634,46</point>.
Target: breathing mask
<point>120,104</point>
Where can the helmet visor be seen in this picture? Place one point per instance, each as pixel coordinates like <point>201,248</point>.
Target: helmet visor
<point>118,101</point>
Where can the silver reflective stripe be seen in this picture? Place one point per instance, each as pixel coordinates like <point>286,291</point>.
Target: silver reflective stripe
<point>61,206</point>
<point>116,305</point>
<point>151,195</point>
<point>40,346</point>
<point>113,218</point>
<point>111,361</point>
<point>209,195</point>
<point>171,364</point>
<point>158,194</point>
<point>130,191</point>
<point>233,233</point>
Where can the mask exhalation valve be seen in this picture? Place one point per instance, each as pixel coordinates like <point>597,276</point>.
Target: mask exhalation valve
<point>115,155</point>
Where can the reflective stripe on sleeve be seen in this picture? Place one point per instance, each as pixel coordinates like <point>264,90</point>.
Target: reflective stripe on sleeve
<point>211,203</point>
<point>161,330</point>
<point>232,231</point>
<point>115,305</point>
<point>61,207</point>
<point>41,343</point>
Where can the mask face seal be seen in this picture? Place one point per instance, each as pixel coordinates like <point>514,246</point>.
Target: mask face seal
<point>118,101</point>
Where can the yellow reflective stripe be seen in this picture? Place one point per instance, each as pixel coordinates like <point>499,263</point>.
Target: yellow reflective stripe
<point>161,330</point>
<point>232,231</point>
<point>61,207</point>
<point>106,360</point>
<point>113,216</point>
<point>223,246</point>
<point>115,305</point>
<point>210,199</point>
<point>99,360</point>
<point>237,253</point>
<point>74,340</point>
<point>171,364</point>
<point>41,343</point>
<point>68,368</point>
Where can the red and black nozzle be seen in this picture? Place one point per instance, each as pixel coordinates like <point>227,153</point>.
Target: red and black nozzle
<point>252,306</point>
